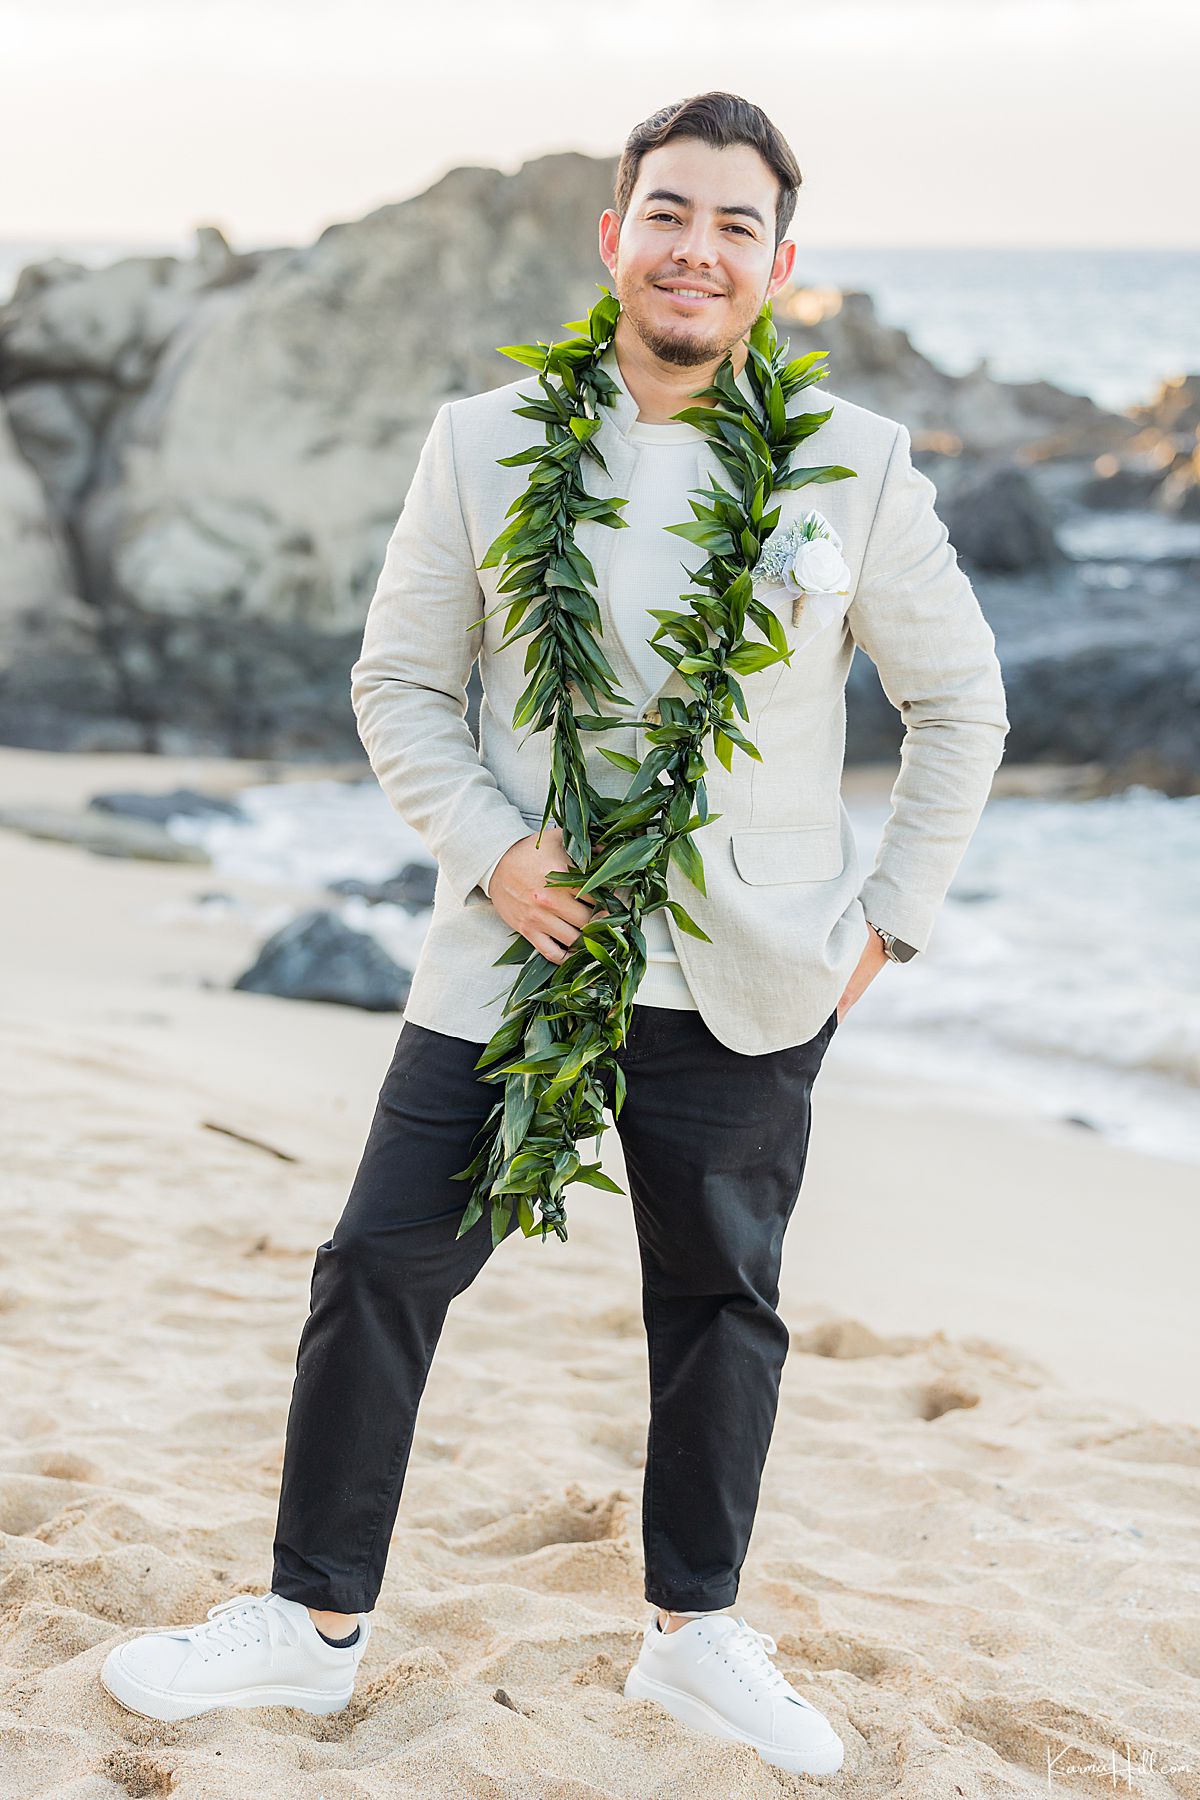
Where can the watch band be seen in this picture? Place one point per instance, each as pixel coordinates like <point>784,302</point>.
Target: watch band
<point>894,948</point>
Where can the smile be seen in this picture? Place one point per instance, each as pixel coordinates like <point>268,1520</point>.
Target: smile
<point>687,296</point>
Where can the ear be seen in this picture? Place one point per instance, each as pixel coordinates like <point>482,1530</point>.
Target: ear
<point>781,268</point>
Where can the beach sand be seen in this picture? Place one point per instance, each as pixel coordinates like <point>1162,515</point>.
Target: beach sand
<point>978,1541</point>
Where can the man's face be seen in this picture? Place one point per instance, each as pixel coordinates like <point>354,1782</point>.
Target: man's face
<point>679,232</point>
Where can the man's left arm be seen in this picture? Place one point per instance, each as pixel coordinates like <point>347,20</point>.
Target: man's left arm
<point>915,614</point>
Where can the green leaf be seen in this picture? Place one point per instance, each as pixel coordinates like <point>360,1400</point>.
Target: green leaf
<point>520,1104</point>
<point>741,741</point>
<point>624,860</point>
<point>686,923</point>
<point>807,477</point>
<point>685,853</point>
<point>533,354</point>
<point>473,1212</point>
<point>796,375</point>
<point>594,1175</point>
<point>751,657</point>
<point>709,537</point>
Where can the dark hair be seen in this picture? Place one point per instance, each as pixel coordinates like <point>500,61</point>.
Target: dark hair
<point>721,120</point>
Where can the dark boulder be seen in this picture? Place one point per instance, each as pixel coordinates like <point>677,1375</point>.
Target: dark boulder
<point>158,808</point>
<point>410,887</point>
<point>997,520</point>
<point>1116,484</point>
<point>316,957</point>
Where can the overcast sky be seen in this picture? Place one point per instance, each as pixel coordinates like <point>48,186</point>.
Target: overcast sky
<point>996,122</point>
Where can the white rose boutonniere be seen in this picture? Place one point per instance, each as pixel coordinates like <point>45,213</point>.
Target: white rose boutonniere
<point>805,558</point>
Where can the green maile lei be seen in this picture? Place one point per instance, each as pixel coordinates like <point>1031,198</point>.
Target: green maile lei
<point>563,1022</point>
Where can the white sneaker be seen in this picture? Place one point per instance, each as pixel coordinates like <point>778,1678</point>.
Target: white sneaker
<point>257,1650</point>
<point>715,1674</point>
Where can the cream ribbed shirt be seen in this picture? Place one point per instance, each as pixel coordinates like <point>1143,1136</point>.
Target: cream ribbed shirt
<point>652,567</point>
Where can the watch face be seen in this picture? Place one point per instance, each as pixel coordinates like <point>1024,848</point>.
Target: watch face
<point>904,952</point>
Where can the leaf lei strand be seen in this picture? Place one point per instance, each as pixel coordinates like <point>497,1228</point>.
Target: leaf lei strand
<point>564,1022</point>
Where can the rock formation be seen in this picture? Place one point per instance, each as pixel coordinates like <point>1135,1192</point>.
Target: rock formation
<point>201,459</point>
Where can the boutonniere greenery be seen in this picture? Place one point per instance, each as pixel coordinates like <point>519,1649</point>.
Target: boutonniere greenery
<point>564,1022</point>
<point>804,557</point>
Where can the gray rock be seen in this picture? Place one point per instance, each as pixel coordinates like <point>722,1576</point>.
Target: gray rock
<point>1094,675</point>
<point>1180,493</point>
<point>316,957</point>
<point>104,836</point>
<point>411,887</point>
<point>158,808</point>
<point>1161,468</point>
<point>209,454</point>
<point>66,319</point>
<point>1130,483</point>
<point>997,520</point>
<point>963,415</point>
<point>36,583</point>
<point>1133,708</point>
<point>1175,408</point>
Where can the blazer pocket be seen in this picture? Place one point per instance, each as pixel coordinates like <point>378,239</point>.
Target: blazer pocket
<point>788,852</point>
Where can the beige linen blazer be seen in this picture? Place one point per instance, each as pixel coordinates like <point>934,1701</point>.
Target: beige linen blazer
<point>785,908</point>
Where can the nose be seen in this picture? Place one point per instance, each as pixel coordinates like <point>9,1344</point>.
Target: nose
<point>696,248</point>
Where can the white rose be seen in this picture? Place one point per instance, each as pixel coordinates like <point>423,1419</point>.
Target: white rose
<point>817,568</point>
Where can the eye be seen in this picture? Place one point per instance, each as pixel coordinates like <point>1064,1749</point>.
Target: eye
<point>663,215</point>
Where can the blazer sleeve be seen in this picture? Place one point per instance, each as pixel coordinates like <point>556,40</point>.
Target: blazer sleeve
<point>917,617</point>
<point>408,687</point>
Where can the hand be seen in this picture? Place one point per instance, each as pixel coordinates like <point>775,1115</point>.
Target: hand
<point>550,918</point>
<point>865,970</point>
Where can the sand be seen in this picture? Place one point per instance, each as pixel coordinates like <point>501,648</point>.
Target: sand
<point>978,1543</point>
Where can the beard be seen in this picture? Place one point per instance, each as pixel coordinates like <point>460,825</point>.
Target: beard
<point>687,347</point>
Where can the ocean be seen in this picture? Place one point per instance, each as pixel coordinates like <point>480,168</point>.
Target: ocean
<point>1111,324</point>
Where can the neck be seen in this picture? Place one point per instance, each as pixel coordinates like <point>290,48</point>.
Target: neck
<point>663,389</point>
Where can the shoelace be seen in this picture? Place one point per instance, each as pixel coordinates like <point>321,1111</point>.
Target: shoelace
<point>236,1623</point>
<point>753,1651</point>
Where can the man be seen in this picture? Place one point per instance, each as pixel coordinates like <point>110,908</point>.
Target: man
<point>727,1037</point>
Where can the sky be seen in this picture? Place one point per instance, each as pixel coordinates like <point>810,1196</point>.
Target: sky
<point>1051,123</point>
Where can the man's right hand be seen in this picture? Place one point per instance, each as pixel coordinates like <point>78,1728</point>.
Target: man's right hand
<point>550,918</point>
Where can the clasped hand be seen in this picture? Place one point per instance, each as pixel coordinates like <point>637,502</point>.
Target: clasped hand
<point>550,918</point>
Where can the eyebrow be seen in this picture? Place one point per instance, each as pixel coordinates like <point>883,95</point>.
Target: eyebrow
<point>749,212</point>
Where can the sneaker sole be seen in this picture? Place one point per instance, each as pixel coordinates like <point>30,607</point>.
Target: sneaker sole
<point>150,1703</point>
<point>692,1711</point>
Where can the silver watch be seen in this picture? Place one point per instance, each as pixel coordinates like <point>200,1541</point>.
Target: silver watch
<point>894,948</point>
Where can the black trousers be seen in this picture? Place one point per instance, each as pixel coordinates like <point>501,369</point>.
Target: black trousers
<point>715,1144</point>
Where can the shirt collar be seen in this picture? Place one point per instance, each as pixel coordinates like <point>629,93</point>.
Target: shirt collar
<point>624,409</point>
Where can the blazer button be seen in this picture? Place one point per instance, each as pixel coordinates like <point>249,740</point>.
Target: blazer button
<point>652,715</point>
